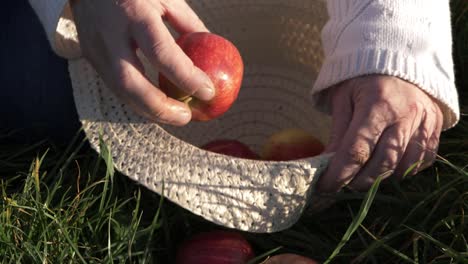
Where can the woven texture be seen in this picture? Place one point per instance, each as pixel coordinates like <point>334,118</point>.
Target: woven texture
<point>280,44</point>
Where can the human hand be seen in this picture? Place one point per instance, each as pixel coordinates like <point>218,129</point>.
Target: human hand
<point>110,31</point>
<point>380,124</point>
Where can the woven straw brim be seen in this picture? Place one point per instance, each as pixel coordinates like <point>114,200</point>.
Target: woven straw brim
<point>280,45</point>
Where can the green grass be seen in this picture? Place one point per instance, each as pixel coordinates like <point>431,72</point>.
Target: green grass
<point>68,205</point>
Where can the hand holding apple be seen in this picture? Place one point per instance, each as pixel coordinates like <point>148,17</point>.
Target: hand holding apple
<point>139,25</point>
<point>291,144</point>
<point>221,61</point>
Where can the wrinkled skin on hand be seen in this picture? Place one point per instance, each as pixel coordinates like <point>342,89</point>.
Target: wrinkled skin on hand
<point>381,124</point>
<point>110,32</point>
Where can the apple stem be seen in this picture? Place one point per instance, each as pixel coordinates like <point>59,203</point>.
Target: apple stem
<point>186,99</point>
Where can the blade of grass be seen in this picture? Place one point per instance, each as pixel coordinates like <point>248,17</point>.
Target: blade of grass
<point>155,224</point>
<point>106,155</point>
<point>366,244</point>
<point>36,175</point>
<point>73,245</point>
<point>429,197</point>
<point>25,150</point>
<point>456,168</point>
<point>264,255</point>
<point>365,206</point>
<point>416,250</point>
<point>437,204</point>
<point>135,220</point>
<point>444,248</point>
<point>109,237</point>
<point>65,158</point>
<point>71,157</point>
<point>381,243</point>
<point>361,237</point>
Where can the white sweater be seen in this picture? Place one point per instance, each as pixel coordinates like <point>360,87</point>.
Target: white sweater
<point>410,39</point>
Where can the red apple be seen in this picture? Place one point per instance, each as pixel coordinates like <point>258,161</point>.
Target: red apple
<point>291,144</point>
<point>231,147</point>
<point>215,247</point>
<point>221,61</point>
<point>289,258</point>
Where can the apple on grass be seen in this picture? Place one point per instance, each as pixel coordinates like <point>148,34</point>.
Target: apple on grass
<point>291,144</point>
<point>289,258</point>
<point>215,247</point>
<point>231,147</point>
<point>223,64</point>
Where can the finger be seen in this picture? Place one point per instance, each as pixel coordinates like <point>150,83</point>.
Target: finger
<point>341,116</point>
<point>359,142</point>
<point>430,154</point>
<point>157,44</point>
<point>388,153</point>
<point>132,87</point>
<point>182,17</point>
<point>390,149</point>
<point>414,155</point>
<point>415,152</point>
<point>422,148</point>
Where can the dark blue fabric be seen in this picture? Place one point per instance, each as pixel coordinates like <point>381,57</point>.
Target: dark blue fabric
<point>35,92</point>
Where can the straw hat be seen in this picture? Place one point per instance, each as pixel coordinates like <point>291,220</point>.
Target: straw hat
<point>281,48</point>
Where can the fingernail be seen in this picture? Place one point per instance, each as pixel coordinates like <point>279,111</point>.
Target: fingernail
<point>183,115</point>
<point>207,92</point>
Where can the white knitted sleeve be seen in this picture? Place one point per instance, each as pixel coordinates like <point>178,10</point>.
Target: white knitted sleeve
<point>57,20</point>
<point>410,39</point>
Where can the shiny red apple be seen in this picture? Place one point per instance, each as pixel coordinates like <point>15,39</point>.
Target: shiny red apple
<point>215,247</point>
<point>221,61</point>
<point>289,258</point>
<point>231,147</point>
<point>291,144</point>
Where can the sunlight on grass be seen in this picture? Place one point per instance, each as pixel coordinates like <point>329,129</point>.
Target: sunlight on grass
<point>62,223</point>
